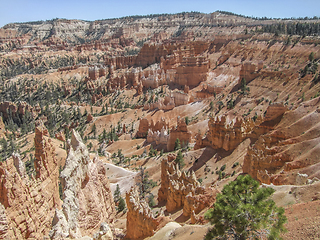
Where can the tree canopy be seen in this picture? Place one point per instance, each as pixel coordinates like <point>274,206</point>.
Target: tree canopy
<point>245,211</point>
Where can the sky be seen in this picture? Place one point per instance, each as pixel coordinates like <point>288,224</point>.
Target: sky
<point>34,10</point>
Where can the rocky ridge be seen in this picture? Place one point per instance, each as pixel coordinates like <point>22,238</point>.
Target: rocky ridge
<point>182,190</point>
<point>87,199</point>
<point>140,220</point>
<point>29,204</point>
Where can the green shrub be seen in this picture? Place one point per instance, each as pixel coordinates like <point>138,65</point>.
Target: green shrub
<point>245,211</point>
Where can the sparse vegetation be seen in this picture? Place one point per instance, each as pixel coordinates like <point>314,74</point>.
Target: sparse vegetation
<point>179,159</point>
<point>177,144</point>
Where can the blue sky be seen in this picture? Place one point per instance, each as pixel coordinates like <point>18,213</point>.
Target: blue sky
<point>33,10</point>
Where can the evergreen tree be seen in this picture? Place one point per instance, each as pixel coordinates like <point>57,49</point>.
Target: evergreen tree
<point>122,204</point>
<point>245,211</point>
<point>179,159</point>
<point>117,194</point>
<point>145,184</point>
<point>311,56</point>
<point>151,202</point>
<point>187,120</point>
<point>94,130</point>
<point>177,145</point>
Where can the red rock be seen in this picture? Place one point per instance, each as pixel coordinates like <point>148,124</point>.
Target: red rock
<point>30,204</point>
<point>89,118</point>
<point>180,132</point>
<point>140,220</point>
<point>182,190</point>
<point>60,136</point>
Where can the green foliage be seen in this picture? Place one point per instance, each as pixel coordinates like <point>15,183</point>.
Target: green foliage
<point>94,130</point>
<point>121,205</point>
<point>211,105</point>
<point>117,194</point>
<point>89,146</point>
<point>223,168</point>
<point>179,159</point>
<point>151,201</point>
<point>152,152</point>
<point>235,164</point>
<point>311,56</point>
<point>293,28</point>
<point>30,166</point>
<point>220,105</point>
<point>144,183</point>
<point>243,87</point>
<point>245,211</point>
<point>187,120</point>
<point>120,156</point>
<point>177,144</point>
<point>230,103</point>
<point>311,67</point>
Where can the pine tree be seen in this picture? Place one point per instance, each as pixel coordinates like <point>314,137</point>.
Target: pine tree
<point>122,204</point>
<point>151,202</point>
<point>117,194</point>
<point>145,184</point>
<point>94,130</point>
<point>245,211</point>
<point>179,159</point>
<point>177,145</point>
<point>311,56</point>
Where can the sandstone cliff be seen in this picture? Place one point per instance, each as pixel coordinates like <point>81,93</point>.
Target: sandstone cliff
<point>30,203</point>
<point>145,125</point>
<point>225,133</point>
<point>140,220</point>
<point>180,132</point>
<point>288,153</point>
<point>182,190</point>
<point>87,198</point>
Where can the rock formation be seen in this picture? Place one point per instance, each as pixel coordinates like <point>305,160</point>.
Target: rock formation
<point>274,111</point>
<point>30,204</point>
<point>158,137</point>
<point>248,71</point>
<point>60,136</point>
<point>21,169</point>
<point>44,163</point>
<point>227,134</point>
<point>140,220</point>
<point>16,110</point>
<point>195,202</point>
<point>182,190</point>
<point>104,233</point>
<point>145,125</point>
<point>96,72</point>
<point>4,226</point>
<point>180,132</point>
<point>89,118</point>
<point>180,98</point>
<point>192,71</point>
<point>261,162</point>
<point>143,128</point>
<point>87,198</point>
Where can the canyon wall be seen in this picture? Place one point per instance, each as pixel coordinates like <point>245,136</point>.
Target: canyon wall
<point>87,198</point>
<point>180,132</point>
<point>140,221</point>
<point>29,204</point>
<point>182,190</point>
